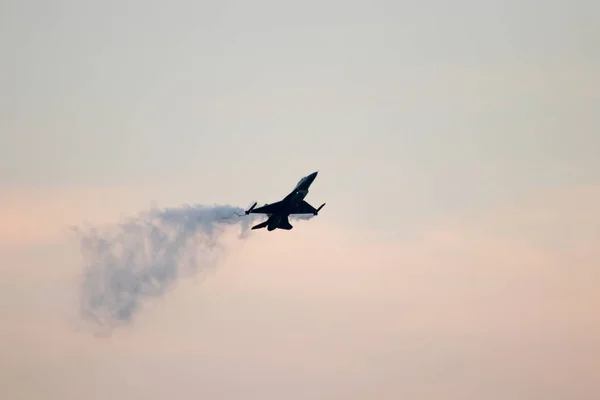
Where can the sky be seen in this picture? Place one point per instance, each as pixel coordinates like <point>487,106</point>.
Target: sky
<point>456,145</point>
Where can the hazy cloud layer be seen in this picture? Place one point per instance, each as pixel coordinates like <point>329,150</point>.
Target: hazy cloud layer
<point>485,307</point>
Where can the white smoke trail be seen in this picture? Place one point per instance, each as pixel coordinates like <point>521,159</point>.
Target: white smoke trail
<point>141,258</point>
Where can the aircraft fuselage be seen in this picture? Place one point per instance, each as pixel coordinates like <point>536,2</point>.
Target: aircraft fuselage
<point>293,203</point>
<point>289,204</point>
<point>293,200</point>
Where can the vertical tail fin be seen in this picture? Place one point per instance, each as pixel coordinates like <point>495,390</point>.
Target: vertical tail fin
<point>285,224</point>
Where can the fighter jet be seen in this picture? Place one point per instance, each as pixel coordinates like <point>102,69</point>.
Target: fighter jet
<point>293,203</point>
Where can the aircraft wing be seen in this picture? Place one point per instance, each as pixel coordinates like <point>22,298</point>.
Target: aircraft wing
<point>267,208</point>
<point>304,208</point>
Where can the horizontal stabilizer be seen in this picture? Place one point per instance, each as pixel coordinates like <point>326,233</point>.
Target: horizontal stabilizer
<point>261,225</point>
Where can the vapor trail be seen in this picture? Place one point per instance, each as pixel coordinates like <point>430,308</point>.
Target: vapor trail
<point>143,257</point>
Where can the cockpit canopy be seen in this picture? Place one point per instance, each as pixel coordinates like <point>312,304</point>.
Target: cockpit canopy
<point>301,180</point>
